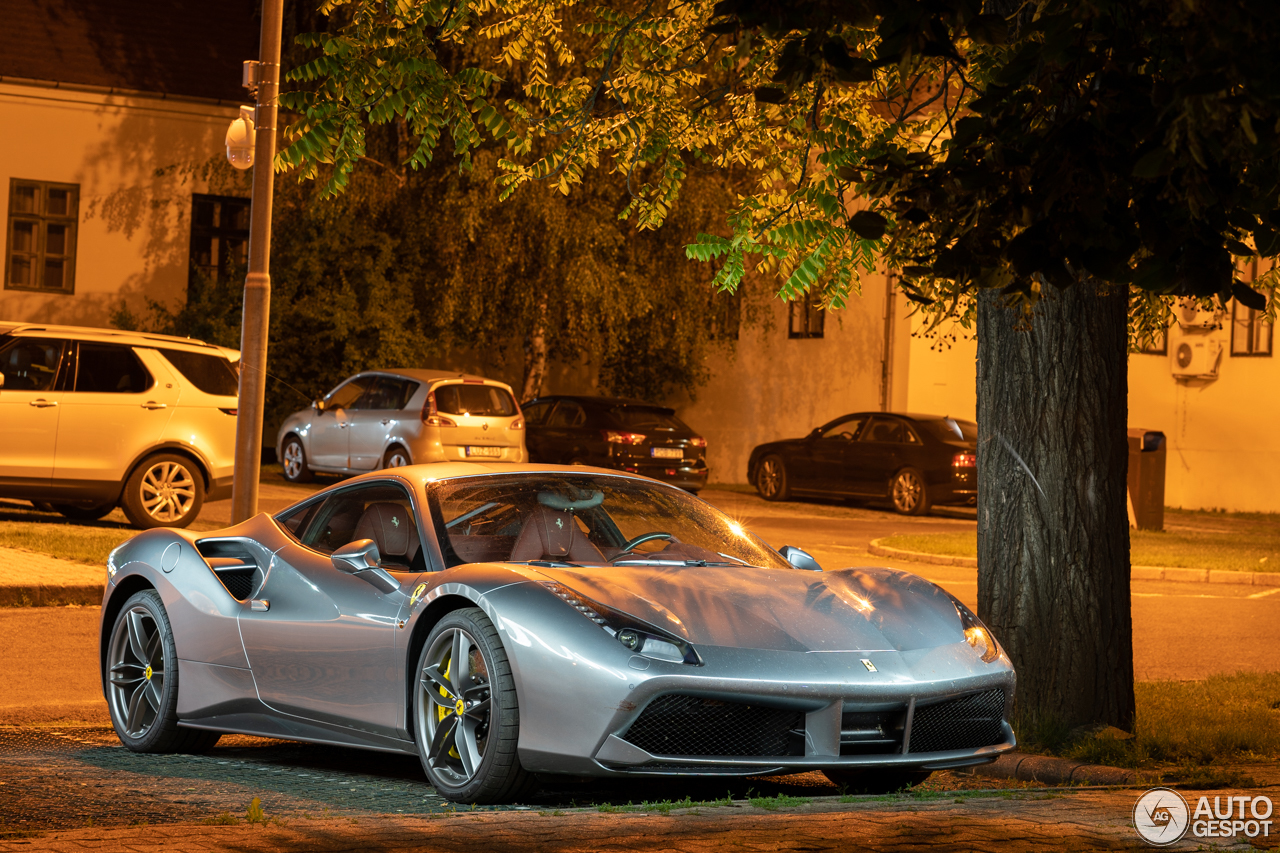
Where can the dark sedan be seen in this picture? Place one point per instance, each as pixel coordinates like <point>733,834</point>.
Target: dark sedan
<point>611,432</point>
<point>915,461</point>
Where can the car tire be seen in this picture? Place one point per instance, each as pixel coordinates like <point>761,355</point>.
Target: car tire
<point>771,479</point>
<point>909,493</point>
<point>293,461</point>
<point>396,457</point>
<point>491,771</point>
<point>872,781</point>
<point>166,490</point>
<point>142,680</point>
<point>82,513</point>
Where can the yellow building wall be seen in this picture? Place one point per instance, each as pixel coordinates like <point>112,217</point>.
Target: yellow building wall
<point>774,387</point>
<point>137,161</point>
<point>1222,436</point>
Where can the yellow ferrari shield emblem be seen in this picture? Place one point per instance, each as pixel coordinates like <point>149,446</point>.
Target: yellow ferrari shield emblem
<point>460,707</point>
<point>148,672</point>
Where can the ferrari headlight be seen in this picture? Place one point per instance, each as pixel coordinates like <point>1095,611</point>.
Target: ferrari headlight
<point>634,634</point>
<point>978,635</point>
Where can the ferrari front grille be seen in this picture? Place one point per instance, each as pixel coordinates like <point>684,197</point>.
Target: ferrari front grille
<point>692,725</point>
<point>964,723</point>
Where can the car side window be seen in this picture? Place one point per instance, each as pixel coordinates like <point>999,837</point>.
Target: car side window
<point>110,369</point>
<point>567,414</point>
<point>535,414</point>
<point>346,394</point>
<point>378,511</point>
<point>385,394</point>
<point>295,520</point>
<point>884,430</point>
<point>30,364</point>
<point>845,430</point>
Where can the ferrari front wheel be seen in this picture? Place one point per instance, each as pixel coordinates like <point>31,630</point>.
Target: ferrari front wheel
<point>142,680</point>
<point>466,717</point>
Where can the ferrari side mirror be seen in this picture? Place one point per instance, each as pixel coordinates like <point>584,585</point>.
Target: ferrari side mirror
<point>799,559</point>
<point>361,558</point>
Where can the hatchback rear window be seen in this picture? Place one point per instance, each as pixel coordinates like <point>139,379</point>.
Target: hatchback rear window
<point>485,401</point>
<point>633,417</point>
<point>212,374</point>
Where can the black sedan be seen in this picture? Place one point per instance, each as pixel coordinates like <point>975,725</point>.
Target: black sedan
<point>915,461</point>
<point>612,432</point>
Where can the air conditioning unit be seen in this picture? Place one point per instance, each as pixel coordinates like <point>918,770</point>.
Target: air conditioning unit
<point>1191,357</point>
<point>1192,317</point>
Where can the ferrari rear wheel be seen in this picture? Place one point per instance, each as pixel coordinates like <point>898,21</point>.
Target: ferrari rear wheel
<point>466,718</point>
<point>142,681</point>
<point>771,479</point>
<point>874,781</point>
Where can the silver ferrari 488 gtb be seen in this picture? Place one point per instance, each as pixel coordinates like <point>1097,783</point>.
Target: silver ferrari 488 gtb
<point>506,621</point>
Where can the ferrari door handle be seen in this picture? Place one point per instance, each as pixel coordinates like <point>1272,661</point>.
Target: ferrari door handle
<point>386,421</point>
<point>260,604</point>
<point>152,404</point>
<point>342,426</point>
<point>43,404</point>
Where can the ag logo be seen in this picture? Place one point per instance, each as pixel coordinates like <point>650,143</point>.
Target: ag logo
<point>1161,816</point>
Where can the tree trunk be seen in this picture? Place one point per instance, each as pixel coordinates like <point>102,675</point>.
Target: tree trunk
<point>1053,532</point>
<point>535,353</point>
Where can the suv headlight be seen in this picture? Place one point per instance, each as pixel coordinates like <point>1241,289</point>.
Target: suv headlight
<point>634,634</point>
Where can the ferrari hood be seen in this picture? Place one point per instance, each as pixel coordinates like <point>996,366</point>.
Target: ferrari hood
<point>776,609</point>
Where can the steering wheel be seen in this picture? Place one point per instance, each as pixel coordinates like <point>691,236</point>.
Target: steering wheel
<point>641,539</point>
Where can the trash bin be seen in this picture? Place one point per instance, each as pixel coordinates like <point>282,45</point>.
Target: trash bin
<point>1146,479</point>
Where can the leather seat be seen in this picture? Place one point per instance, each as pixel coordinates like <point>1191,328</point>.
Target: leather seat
<point>392,528</point>
<point>553,534</point>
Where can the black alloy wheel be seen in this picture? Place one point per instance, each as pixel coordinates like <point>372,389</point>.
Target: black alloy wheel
<point>142,680</point>
<point>909,493</point>
<point>466,719</point>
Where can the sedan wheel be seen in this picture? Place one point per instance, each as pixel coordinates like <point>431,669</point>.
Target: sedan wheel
<point>166,490</point>
<point>771,479</point>
<point>142,680</point>
<point>466,720</point>
<point>910,497</point>
<point>293,461</point>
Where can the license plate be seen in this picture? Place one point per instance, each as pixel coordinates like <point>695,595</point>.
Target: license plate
<point>667,453</point>
<point>492,452</point>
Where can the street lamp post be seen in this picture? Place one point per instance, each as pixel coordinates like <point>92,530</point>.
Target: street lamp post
<point>257,284</point>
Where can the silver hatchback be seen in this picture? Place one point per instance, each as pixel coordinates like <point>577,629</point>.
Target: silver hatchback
<point>388,418</point>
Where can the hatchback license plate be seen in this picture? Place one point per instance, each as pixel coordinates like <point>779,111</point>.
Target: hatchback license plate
<point>492,452</point>
<point>667,453</point>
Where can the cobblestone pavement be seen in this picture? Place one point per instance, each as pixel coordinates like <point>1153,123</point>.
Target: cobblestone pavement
<point>75,788</point>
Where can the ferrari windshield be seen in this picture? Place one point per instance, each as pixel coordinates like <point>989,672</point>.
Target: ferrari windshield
<point>585,520</point>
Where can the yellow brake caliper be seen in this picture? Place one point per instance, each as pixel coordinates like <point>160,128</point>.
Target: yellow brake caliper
<point>442,711</point>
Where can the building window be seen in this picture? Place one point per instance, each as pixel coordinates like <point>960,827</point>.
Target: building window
<point>219,239</point>
<point>42,236</point>
<point>1158,345</point>
<point>807,317</point>
<point>1250,332</point>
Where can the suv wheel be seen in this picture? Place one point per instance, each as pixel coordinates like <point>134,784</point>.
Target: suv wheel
<point>166,490</point>
<point>293,461</point>
<point>396,457</point>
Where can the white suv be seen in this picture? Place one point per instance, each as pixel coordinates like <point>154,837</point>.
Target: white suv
<point>389,418</point>
<point>91,419</point>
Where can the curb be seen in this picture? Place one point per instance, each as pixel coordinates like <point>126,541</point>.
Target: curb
<point>1140,573</point>
<point>51,595</point>
<point>1053,771</point>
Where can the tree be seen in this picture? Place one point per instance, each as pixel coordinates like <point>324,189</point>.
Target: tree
<point>1059,174</point>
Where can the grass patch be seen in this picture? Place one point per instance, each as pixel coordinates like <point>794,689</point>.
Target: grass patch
<point>664,807</point>
<point>782,801</point>
<point>1194,540</point>
<point>1189,724</point>
<point>80,543</point>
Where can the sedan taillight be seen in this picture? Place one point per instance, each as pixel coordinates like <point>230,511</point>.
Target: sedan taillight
<point>431,416</point>
<point>614,436</point>
<point>697,441</point>
<point>965,460</point>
